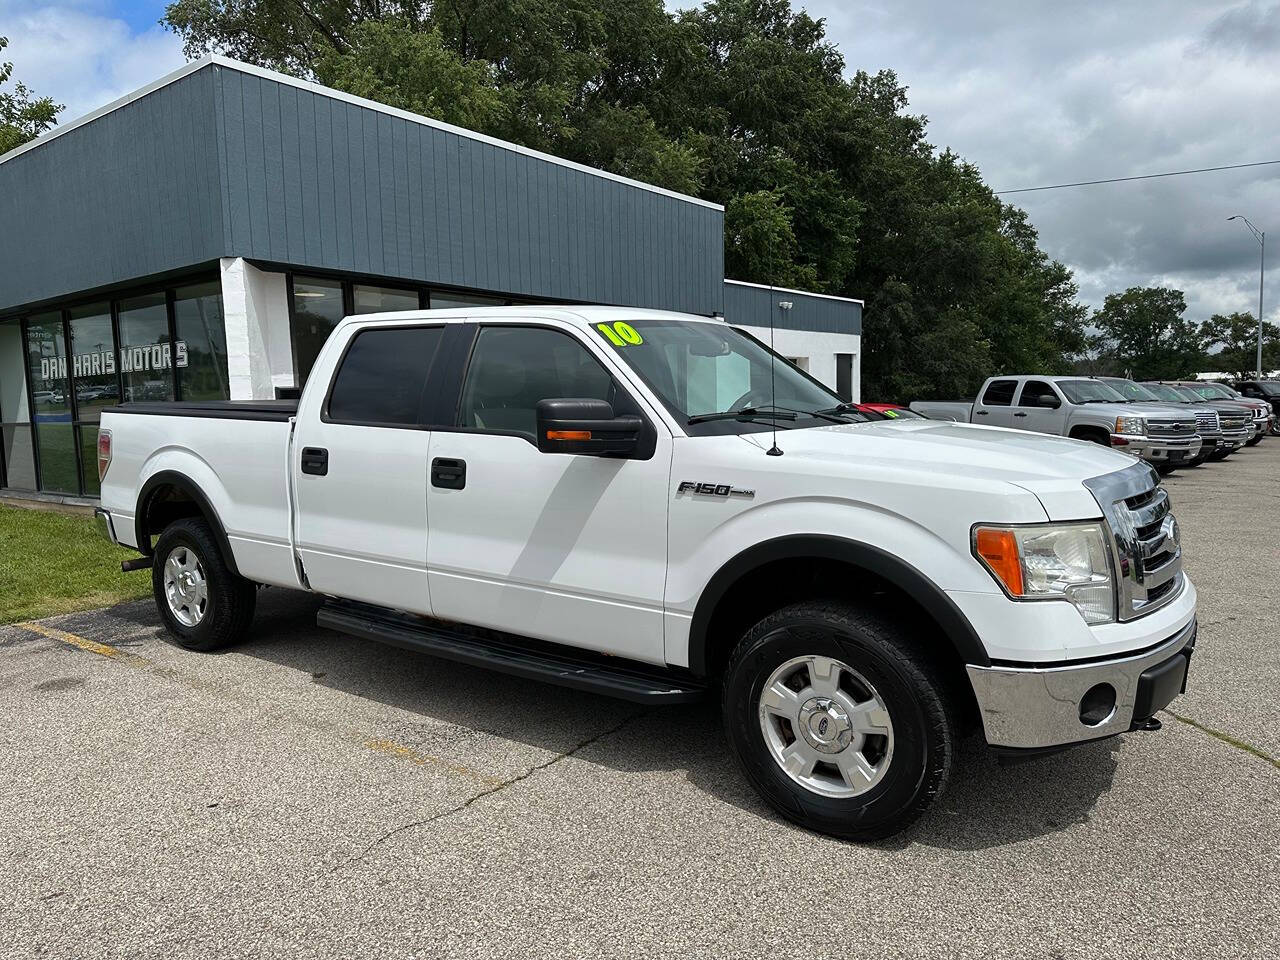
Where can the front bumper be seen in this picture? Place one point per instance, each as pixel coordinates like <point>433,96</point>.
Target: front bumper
<point>106,527</point>
<point>1030,707</point>
<point>1157,450</point>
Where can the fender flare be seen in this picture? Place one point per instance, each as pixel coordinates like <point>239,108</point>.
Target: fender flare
<point>183,483</point>
<point>954,624</point>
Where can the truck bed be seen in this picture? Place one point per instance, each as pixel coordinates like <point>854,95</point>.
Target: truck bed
<point>276,410</point>
<point>961,411</point>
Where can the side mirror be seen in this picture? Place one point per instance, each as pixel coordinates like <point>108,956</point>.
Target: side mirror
<point>1050,403</point>
<point>586,427</point>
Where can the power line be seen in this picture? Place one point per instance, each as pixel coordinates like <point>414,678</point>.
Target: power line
<point>1147,176</point>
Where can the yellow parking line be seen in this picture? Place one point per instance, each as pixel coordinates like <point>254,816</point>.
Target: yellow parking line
<point>92,646</point>
<point>388,747</point>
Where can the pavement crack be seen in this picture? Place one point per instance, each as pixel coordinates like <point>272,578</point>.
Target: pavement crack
<point>415,824</point>
<point>1226,738</point>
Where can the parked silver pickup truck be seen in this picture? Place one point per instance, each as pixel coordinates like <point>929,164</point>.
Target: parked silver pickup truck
<point>1082,408</point>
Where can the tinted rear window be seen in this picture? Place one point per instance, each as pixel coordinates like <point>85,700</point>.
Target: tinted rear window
<point>383,374</point>
<point>1000,393</point>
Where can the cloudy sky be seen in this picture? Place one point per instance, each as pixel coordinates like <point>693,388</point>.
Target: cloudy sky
<point>1032,92</point>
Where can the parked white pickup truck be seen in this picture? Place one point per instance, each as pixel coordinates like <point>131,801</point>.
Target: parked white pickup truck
<point>1082,408</point>
<point>594,497</point>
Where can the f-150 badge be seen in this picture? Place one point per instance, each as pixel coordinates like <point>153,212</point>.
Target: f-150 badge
<point>713,489</point>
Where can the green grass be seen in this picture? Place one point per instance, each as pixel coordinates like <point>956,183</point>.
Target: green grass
<point>55,563</point>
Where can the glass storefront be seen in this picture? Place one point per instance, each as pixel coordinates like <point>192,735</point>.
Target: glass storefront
<point>90,356</point>
<point>318,305</point>
<point>366,299</point>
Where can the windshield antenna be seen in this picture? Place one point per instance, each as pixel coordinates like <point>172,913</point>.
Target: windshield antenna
<point>774,451</point>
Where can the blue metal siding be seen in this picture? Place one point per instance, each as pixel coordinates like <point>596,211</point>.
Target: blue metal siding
<point>751,306</point>
<point>136,192</point>
<point>226,162</point>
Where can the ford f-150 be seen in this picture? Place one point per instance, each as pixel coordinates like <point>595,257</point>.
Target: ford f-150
<point>658,507</point>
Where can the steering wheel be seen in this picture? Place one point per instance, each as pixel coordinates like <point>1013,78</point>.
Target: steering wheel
<point>752,398</point>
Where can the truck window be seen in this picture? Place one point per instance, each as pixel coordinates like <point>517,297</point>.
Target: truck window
<point>999,393</point>
<point>512,368</point>
<point>382,375</point>
<point>1032,391</point>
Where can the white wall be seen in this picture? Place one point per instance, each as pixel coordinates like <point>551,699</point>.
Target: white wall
<point>259,349</point>
<point>819,350</point>
<point>14,408</point>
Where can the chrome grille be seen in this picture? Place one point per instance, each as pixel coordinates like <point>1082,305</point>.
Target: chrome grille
<point>1236,424</point>
<point>1172,429</point>
<point>1145,538</point>
<point>1207,422</point>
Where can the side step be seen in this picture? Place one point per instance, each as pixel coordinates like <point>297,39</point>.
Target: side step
<point>531,659</point>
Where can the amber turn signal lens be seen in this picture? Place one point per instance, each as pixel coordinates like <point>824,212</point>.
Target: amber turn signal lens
<point>568,434</point>
<point>999,550</point>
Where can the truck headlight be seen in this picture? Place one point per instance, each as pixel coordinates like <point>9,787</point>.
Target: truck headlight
<point>1132,426</point>
<point>1051,561</point>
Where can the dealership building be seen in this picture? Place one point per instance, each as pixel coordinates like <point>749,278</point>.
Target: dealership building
<point>200,237</point>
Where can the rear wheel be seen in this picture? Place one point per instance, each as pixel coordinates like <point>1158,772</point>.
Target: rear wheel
<point>202,603</point>
<point>839,722</point>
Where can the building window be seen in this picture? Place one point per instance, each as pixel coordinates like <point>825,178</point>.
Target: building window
<point>366,299</point>
<point>51,395</point>
<point>317,308</point>
<point>441,299</point>
<point>146,354</point>
<point>95,381</point>
<point>17,458</point>
<point>844,376</point>
<point>202,342</point>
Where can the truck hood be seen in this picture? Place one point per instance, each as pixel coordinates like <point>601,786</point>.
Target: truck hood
<point>1051,468</point>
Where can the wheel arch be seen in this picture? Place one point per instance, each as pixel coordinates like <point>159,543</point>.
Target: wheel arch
<point>180,496</point>
<point>705,646</point>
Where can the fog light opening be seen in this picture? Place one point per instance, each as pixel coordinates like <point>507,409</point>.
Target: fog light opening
<point>1098,704</point>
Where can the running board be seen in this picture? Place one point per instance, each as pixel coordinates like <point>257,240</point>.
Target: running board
<point>531,659</point>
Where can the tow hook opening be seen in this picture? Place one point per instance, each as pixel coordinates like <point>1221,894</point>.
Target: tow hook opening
<point>1098,704</point>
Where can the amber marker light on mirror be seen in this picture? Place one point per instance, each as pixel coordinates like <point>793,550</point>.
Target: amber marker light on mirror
<point>999,551</point>
<point>568,434</point>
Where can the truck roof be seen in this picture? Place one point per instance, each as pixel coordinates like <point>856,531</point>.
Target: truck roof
<point>580,315</point>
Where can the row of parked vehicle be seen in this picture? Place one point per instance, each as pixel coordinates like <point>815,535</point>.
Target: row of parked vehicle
<point>1169,424</point>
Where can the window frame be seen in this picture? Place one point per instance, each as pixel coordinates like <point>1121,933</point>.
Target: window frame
<point>425,400</point>
<point>1017,389</point>
<point>472,330</point>
<point>1023,389</point>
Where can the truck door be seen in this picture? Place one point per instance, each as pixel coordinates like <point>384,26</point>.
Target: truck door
<point>1040,408</point>
<point>562,547</point>
<point>359,462</point>
<point>993,406</point>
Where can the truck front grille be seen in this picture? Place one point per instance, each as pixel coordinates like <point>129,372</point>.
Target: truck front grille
<point>1172,429</point>
<point>1146,551</point>
<point>1207,423</point>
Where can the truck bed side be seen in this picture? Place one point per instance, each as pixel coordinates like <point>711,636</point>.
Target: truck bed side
<point>234,455</point>
<point>958,411</point>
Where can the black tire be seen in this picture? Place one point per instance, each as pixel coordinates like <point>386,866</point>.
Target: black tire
<point>1164,469</point>
<point>1195,461</point>
<point>1220,455</point>
<point>909,685</point>
<point>228,608</point>
<point>1254,441</point>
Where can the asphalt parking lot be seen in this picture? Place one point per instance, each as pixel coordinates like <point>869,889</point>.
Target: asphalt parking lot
<point>311,795</point>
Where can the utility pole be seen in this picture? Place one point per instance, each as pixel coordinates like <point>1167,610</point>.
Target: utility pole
<point>1261,237</point>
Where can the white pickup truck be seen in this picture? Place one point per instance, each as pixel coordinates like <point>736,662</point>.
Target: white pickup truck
<point>656,506</point>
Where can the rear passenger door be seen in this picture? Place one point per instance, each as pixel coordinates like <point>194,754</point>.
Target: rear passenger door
<point>359,462</point>
<point>1031,413</point>
<point>994,407</point>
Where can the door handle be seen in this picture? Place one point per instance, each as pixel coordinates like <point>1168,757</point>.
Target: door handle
<point>979,413</point>
<point>1019,414</point>
<point>315,461</point>
<point>448,473</point>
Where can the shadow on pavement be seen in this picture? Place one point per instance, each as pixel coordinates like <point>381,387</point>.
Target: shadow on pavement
<point>987,804</point>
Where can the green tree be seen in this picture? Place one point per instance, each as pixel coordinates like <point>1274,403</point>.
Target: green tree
<point>828,181</point>
<point>23,117</point>
<point>1236,334</point>
<point>1148,334</point>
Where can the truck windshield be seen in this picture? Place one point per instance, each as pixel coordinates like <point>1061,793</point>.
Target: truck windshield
<point>1131,390</point>
<point>701,369</point>
<point>1168,394</point>
<point>1090,391</point>
<point>1214,391</point>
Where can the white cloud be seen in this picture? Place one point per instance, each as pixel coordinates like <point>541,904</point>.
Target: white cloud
<point>80,55</point>
<point>1040,93</point>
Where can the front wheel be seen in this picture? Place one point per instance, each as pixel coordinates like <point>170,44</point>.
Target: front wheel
<point>838,720</point>
<point>1253,441</point>
<point>202,603</point>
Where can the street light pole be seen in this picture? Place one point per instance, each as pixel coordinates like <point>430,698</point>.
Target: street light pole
<point>1261,237</point>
